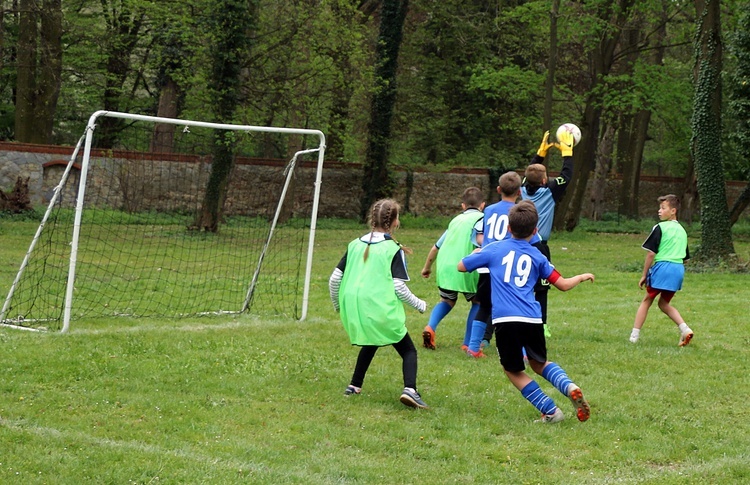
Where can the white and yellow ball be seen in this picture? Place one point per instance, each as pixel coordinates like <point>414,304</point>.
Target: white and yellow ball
<point>572,129</point>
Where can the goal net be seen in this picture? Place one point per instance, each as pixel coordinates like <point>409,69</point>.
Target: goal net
<point>157,217</point>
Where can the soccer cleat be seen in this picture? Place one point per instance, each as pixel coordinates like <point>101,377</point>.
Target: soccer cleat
<point>686,337</point>
<point>583,411</point>
<point>412,399</point>
<point>634,337</point>
<point>555,417</point>
<point>352,390</point>
<point>476,355</point>
<point>428,337</point>
<point>484,343</point>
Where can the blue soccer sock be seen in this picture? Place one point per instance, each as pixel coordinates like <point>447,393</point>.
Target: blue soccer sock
<point>470,322</point>
<point>534,394</point>
<point>557,377</point>
<point>438,313</point>
<point>478,328</point>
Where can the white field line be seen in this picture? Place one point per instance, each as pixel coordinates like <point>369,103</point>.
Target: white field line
<point>136,446</point>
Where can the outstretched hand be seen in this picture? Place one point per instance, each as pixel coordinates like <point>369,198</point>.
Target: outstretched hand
<point>546,145</point>
<point>566,142</point>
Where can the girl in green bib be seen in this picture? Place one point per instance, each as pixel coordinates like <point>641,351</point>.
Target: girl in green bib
<point>368,289</point>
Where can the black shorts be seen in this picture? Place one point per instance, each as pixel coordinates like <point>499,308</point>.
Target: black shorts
<point>453,295</point>
<point>513,337</point>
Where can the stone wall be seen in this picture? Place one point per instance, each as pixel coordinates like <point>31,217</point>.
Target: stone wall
<point>131,183</point>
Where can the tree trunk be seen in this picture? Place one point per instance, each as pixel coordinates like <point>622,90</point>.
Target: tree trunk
<point>169,96</point>
<point>50,70</point>
<point>601,174</point>
<point>716,234</point>
<point>26,75</point>
<point>376,181</point>
<point>123,29</point>
<point>232,22</point>
<point>689,193</point>
<point>601,60</point>
<point>585,162</point>
<point>635,154</point>
<point>740,205</point>
<point>549,86</point>
<point>626,167</point>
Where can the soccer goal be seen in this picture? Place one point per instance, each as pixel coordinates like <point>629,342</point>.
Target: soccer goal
<point>160,217</point>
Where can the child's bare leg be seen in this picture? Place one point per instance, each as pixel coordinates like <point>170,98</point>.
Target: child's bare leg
<point>670,311</point>
<point>640,317</point>
<point>686,334</point>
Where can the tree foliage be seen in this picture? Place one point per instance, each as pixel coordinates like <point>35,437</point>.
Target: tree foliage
<point>376,182</point>
<point>469,87</point>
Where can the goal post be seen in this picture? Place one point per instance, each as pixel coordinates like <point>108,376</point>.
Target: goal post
<point>122,242</point>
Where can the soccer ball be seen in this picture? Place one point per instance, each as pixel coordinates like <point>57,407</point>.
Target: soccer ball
<point>570,128</point>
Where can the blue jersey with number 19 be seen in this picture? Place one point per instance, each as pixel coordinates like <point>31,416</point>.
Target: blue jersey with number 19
<point>515,267</point>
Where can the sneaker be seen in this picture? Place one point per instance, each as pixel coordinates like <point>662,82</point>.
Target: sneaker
<point>686,337</point>
<point>583,411</point>
<point>352,390</point>
<point>412,399</point>
<point>428,337</point>
<point>476,355</point>
<point>634,337</point>
<point>555,417</point>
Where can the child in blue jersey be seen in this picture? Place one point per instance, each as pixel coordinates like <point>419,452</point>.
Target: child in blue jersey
<point>515,266</point>
<point>368,288</point>
<point>545,194</point>
<point>495,229</point>
<point>663,270</point>
<point>461,238</point>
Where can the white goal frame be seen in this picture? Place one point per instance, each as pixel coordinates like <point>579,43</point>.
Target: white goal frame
<point>91,126</point>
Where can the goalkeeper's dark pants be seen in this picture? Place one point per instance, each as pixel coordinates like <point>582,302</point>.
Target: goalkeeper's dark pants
<point>542,286</point>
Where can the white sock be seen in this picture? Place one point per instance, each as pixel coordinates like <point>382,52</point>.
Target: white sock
<point>636,332</point>
<point>684,328</point>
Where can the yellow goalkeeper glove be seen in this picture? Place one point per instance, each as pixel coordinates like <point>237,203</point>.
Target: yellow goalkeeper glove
<point>566,142</point>
<point>546,145</point>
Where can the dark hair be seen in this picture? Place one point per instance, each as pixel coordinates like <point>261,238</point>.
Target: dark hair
<point>509,183</point>
<point>382,214</point>
<point>472,198</point>
<point>535,174</point>
<point>672,200</point>
<point>522,219</point>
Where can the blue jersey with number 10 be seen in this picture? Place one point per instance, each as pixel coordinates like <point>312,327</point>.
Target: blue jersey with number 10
<point>496,222</point>
<point>515,267</point>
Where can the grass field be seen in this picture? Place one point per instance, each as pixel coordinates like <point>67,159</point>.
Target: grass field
<point>250,400</point>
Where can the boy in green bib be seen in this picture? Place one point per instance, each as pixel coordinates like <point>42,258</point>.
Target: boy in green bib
<point>368,289</point>
<point>663,269</point>
<point>464,235</point>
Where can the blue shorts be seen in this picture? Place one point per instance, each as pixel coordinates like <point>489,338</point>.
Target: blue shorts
<point>665,275</point>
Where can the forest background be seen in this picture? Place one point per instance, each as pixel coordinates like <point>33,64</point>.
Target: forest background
<point>658,87</point>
